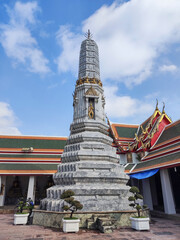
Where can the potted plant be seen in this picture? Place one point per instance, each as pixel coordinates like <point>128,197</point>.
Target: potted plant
<point>139,222</point>
<point>23,210</point>
<point>71,224</point>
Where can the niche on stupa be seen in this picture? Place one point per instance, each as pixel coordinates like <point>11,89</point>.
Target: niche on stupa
<point>91,96</point>
<point>91,108</point>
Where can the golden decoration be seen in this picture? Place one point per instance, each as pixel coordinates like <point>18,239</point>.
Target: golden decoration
<point>91,91</point>
<point>129,147</point>
<point>100,83</point>
<point>142,129</point>
<point>135,146</point>
<point>148,144</point>
<point>136,137</point>
<point>149,136</point>
<point>86,80</point>
<point>94,81</point>
<point>142,144</point>
<point>89,80</point>
<point>91,111</point>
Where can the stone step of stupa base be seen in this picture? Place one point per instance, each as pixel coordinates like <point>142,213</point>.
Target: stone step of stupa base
<point>92,198</point>
<point>106,229</point>
<point>89,126</point>
<point>96,191</point>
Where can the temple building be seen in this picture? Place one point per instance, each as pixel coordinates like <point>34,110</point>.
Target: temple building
<point>98,156</point>
<point>27,164</point>
<point>150,153</point>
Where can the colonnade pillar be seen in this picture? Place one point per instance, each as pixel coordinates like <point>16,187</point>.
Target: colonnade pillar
<point>147,193</point>
<point>31,188</point>
<point>168,199</point>
<point>2,189</point>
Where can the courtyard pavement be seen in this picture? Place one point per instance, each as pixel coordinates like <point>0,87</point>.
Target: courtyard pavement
<point>159,229</point>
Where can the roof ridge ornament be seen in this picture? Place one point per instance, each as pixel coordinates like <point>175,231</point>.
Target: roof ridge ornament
<point>163,108</point>
<point>157,104</point>
<point>88,34</point>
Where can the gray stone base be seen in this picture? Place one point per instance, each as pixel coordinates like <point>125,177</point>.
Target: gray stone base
<point>99,186</point>
<point>54,219</point>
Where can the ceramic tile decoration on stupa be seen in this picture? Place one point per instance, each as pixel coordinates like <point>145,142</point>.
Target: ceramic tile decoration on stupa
<point>90,166</point>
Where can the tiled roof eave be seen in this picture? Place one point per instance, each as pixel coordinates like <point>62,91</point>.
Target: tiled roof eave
<point>162,153</point>
<point>31,161</point>
<point>125,132</point>
<point>155,164</point>
<point>125,139</point>
<point>170,133</point>
<point>28,168</point>
<point>161,165</point>
<point>33,137</point>
<point>27,172</point>
<point>19,150</point>
<point>166,143</point>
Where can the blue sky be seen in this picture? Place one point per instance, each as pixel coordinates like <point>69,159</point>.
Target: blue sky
<point>139,48</point>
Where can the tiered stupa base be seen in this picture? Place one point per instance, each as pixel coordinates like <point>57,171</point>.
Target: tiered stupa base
<point>99,186</point>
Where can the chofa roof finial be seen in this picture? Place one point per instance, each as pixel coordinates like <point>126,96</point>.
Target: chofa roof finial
<point>156,104</point>
<point>163,108</point>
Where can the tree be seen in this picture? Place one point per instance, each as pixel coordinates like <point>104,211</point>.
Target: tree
<point>136,195</point>
<point>73,205</point>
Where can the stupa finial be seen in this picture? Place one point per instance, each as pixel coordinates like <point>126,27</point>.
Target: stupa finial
<point>88,34</point>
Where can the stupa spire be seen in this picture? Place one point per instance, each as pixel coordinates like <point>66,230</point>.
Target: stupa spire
<point>89,58</point>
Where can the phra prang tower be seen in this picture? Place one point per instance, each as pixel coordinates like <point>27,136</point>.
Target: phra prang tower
<point>90,166</point>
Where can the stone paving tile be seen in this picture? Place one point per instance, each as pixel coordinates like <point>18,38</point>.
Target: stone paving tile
<point>159,229</point>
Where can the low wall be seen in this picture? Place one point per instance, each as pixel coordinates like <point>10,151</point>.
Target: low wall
<point>54,219</point>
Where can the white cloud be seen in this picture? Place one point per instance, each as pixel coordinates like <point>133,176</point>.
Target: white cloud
<point>8,121</point>
<point>124,106</point>
<point>70,43</point>
<point>130,36</point>
<point>168,68</point>
<point>17,40</point>
<point>44,34</point>
<point>152,96</point>
<point>23,12</point>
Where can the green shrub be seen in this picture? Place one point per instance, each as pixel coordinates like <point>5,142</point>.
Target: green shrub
<point>73,205</point>
<point>133,199</point>
<point>24,206</point>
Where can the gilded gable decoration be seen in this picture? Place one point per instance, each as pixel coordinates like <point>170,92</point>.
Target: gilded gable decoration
<point>91,91</point>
